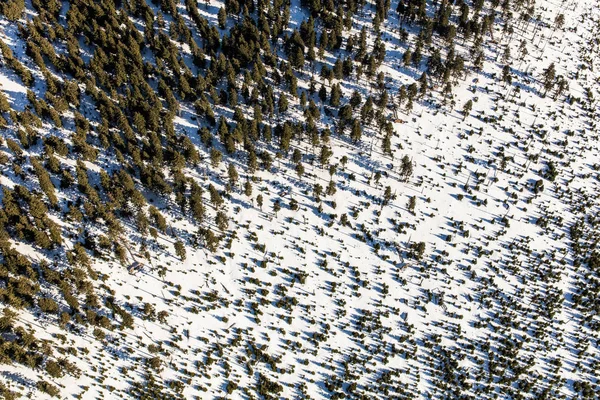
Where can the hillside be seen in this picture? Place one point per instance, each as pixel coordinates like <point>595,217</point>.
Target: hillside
<point>299,199</point>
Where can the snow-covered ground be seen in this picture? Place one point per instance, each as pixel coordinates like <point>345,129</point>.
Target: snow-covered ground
<point>316,305</point>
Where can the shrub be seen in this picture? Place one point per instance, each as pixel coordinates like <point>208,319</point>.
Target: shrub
<point>54,369</point>
<point>48,388</point>
<point>48,305</point>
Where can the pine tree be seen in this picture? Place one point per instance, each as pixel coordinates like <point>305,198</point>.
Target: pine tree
<point>549,77</point>
<point>45,181</point>
<point>222,18</point>
<point>406,168</point>
<point>180,250</point>
<point>407,57</point>
<point>276,207</point>
<point>323,93</point>
<point>325,155</point>
<point>419,249</point>
<point>215,197</point>
<point>300,170</point>
<point>336,94</point>
<point>196,203</point>
<point>355,99</point>
<point>467,108</point>
<point>4,104</point>
<point>221,220</point>
<point>248,188</point>
<point>356,132</point>
<point>387,195</point>
<point>412,202</point>
<point>423,83</point>
<point>386,144</point>
<point>12,9</point>
<point>233,174</point>
<point>283,103</point>
<point>215,157</point>
<point>506,76</point>
<point>211,240</point>
<point>286,137</point>
<point>303,98</point>
<point>296,156</point>
<point>331,189</point>
<point>317,191</point>
<point>252,161</point>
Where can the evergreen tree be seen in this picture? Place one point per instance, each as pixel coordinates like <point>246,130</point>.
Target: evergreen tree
<point>180,250</point>
<point>336,94</point>
<point>387,195</point>
<point>248,188</point>
<point>12,9</point>
<point>406,168</point>
<point>215,196</point>
<point>356,132</point>
<point>45,181</point>
<point>221,220</point>
<point>4,105</point>
<point>300,170</point>
<point>412,202</point>
<point>355,99</point>
<point>222,18</point>
<point>506,76</point>
<point>283,103</point>
<point>196,202</point>
<point>215,157</point>
<point>210,239</point>
<point>276,207</point>
<point>233,174</point>
<point>549,77</point>
<point>467,108</point>
<point>325,155</point>
<point>323,93</point>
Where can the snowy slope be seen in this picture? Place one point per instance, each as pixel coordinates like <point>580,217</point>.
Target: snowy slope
<point>323,305</point>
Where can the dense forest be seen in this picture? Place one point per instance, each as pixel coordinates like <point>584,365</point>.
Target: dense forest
<point>141,136</point>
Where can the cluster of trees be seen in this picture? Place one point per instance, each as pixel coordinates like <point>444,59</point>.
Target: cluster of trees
<point>12,9</point>
<point>234,70</point>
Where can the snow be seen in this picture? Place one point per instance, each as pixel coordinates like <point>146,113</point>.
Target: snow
<point>438,141</point>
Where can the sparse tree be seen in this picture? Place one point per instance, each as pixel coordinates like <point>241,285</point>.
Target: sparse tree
<point>180,250</point>
<point>467,109</point>
<point>276,207</point>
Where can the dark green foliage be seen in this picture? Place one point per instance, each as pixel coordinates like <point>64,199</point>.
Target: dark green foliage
<point>211,241</point>
<point>467,108</point>
<point>266,387</point>
<point>551,172</point>
<point>7,394</point>
<point>356,132</point>
<point>53,369</point>
<point>136,88</point>
<point>12,9</point>
<point>4,105</point>
<point>222,17</point>
<point>180,250</point>
<point>48,305</point>
<point>215,196</point>
<point>221,220</point>
<point>45,182</point>
<point>48,388</point>
<point>276,206</point>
